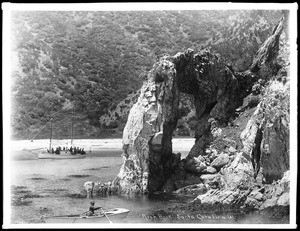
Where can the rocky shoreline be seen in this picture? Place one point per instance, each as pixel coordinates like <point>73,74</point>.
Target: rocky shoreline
<point>240,159</point>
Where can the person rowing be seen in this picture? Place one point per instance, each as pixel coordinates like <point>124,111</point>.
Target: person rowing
<point>92,209</point>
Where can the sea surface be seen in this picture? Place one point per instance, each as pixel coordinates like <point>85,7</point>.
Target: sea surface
<point>54,187</point>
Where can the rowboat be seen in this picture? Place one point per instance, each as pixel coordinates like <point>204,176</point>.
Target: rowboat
<point>114,215</point>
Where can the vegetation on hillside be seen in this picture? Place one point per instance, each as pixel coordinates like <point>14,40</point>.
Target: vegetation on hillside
<point>86,63</point>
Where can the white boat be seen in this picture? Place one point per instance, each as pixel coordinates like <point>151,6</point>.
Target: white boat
<point>114,215</point>
<point>62,155</point>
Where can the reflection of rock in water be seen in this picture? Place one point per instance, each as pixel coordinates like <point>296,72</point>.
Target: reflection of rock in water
<point>93,189</point>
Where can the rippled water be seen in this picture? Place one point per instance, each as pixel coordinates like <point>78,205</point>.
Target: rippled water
<point>53,187</point>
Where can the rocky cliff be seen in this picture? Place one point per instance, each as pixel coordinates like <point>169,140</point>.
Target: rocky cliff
<point>241,153</point>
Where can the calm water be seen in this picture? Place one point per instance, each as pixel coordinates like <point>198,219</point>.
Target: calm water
<point>53,187</point>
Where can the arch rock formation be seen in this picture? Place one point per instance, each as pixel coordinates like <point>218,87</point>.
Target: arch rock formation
<point>218,91</point>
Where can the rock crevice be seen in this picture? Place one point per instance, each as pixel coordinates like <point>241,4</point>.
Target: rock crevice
<point>218,93</point>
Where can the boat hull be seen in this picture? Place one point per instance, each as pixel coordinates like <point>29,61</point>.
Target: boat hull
<point>60,156</point>
<point>115,215</point>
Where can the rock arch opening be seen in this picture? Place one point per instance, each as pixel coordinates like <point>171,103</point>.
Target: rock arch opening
<point>217,91</point>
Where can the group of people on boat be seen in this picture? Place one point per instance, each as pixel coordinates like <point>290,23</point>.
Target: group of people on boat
<point>73,151</point>
<point>77,150</point>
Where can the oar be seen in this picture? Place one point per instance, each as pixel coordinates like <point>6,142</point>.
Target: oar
<point>106,216</point>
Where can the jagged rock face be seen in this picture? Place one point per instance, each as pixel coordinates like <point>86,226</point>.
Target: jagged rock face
<point>214,88</point>
<point>220,90</point>
<point>260,172</point>
<point>239,174</point>
<point>217,91</point>
<point>265,154</point>
<point>195,165</point>
<point>266,137</point>
<point>274,159</point>
<point>251,138</point>
<point>147,136</point>
<point>152,120</point>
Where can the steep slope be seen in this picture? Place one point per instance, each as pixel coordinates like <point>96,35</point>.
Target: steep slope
<point>235,35</point>
<point>90,61</point>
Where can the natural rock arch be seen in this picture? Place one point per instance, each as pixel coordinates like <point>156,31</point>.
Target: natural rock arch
<point>217,90</point>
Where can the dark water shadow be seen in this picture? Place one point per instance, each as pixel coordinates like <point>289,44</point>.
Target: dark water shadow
<point>21,195</point>
<point>20,202</point>
<point>79,176</point>
<point>97,169</point>
<point>15,190</point>
<point>75,195</point>
<point>37,178</point>
<point>55,190</point>
<point>65,179</point>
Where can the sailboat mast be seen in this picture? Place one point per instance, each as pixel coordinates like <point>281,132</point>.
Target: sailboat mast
<point>72,123</point>
<point>50,135</point>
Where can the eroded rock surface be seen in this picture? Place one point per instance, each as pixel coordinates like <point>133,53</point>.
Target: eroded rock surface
<point>265,154</point>
<point>147,136</point>
<point>232,175</point>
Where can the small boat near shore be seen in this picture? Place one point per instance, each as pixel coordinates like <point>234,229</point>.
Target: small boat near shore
<point>114,215</point>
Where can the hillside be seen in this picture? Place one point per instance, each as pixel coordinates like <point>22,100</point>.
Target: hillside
<point>87,63</point>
